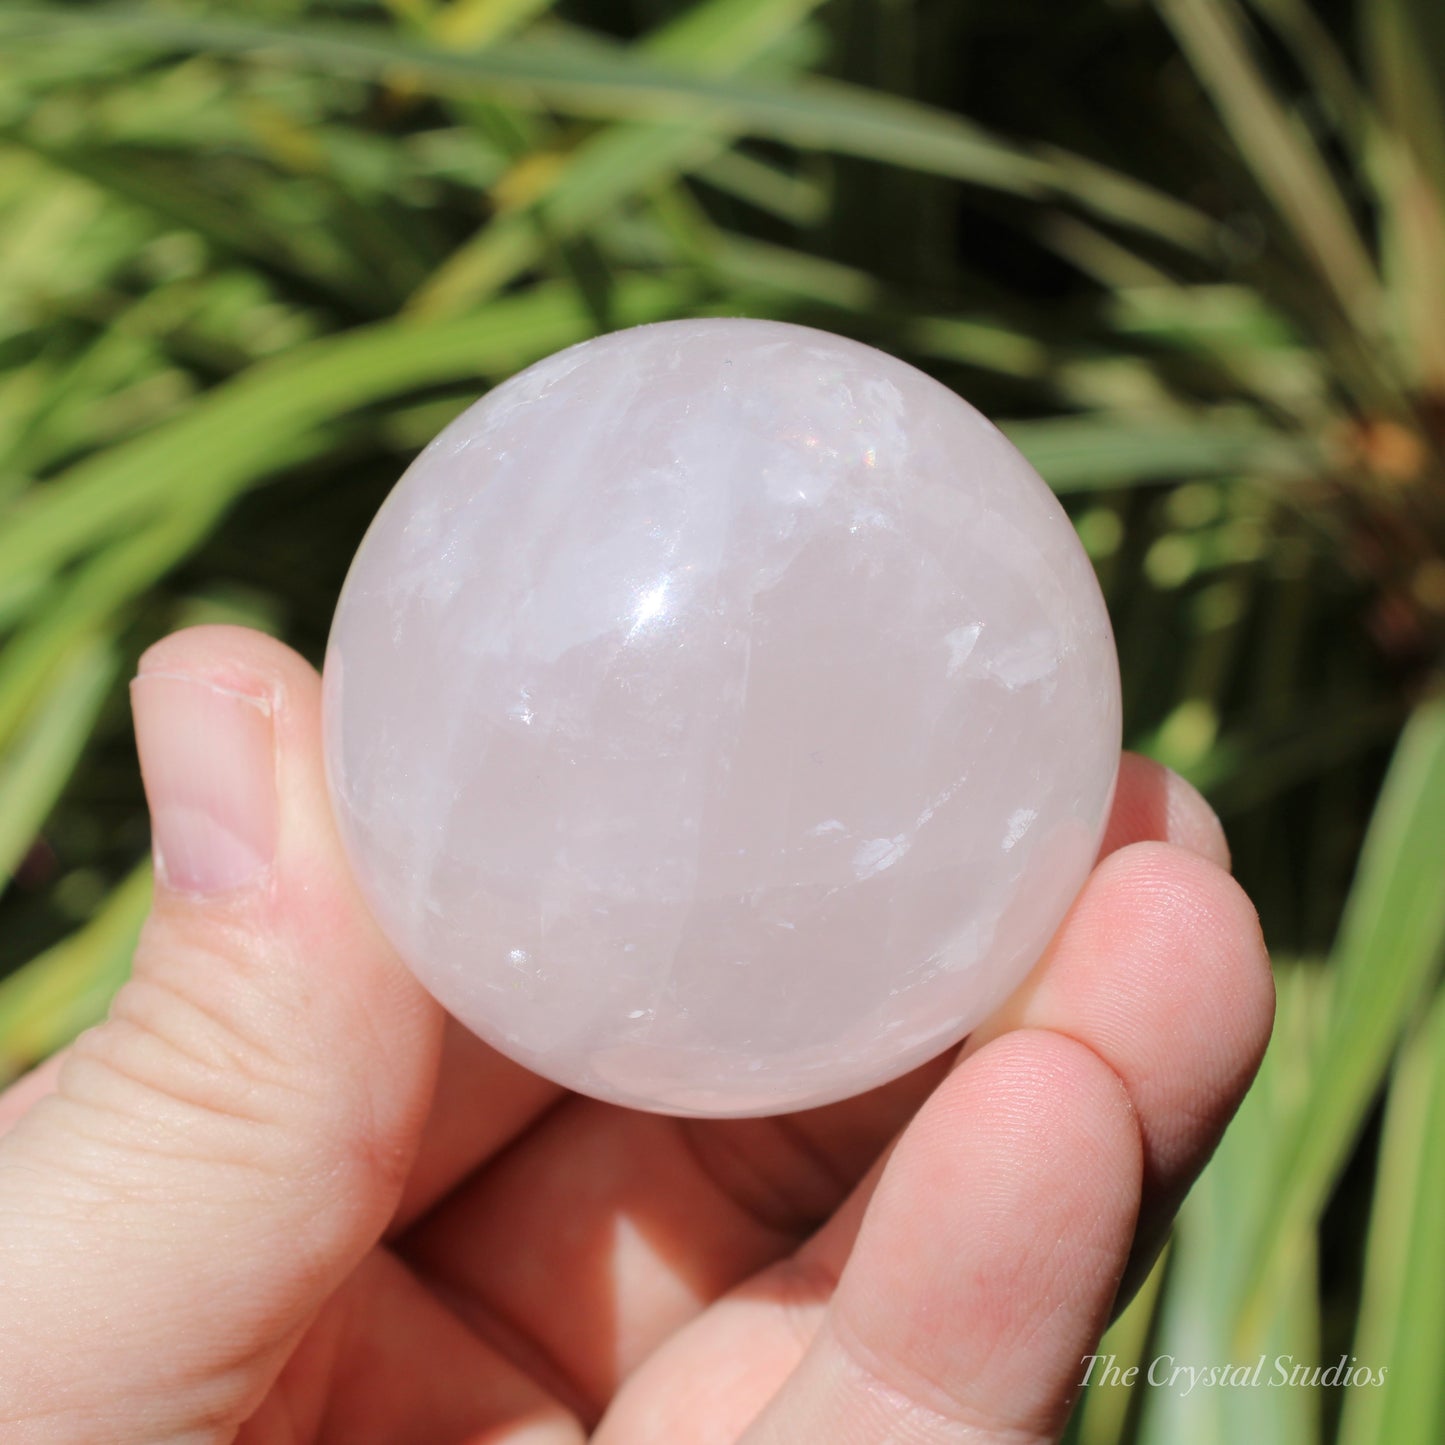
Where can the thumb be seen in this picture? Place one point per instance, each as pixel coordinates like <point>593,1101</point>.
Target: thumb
<point>220,1152</point>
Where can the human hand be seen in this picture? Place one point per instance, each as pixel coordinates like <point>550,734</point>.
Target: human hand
<point>275,1193</point>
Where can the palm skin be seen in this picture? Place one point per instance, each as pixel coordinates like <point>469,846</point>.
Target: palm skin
<point>277,1197</point>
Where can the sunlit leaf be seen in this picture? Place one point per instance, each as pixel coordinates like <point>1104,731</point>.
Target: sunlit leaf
<point>1391,944</point>
<point>1402,1313</point>
<point>67,988</point>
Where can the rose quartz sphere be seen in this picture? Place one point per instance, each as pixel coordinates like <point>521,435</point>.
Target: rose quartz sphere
<point>720,717</point>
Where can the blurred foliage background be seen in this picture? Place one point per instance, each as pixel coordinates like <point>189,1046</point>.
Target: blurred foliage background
<point>1191,253</point>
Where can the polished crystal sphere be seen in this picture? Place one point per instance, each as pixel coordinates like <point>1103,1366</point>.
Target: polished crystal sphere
<point>720,717</point>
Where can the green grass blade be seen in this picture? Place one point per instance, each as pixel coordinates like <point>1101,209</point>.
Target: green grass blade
<point>1406,52</point>
<point>235,434</point>
<point>1390,944</point>
<point>50,999</point>
<point>471,23</point>
<point>1086,453</point>
<point>796,199</point>
<point>89,599</point>
<point>1402,1312</point>
<point>719,36</point>
<point>172,193</point>
<point>597,81</point>
<point>762,276</point>
<point>1210,1259</point>
<point>716,38</point>
<point>1285,161</point>
<point>35,769</point>
<point>1333,82</point>
<point>990,345</point>
<point>1405,44</point>
<point>1234,328</point>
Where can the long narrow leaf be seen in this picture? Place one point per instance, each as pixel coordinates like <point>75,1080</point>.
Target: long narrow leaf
<point>1287,165</point>
<point>231,437</point>
<point>67,988</point>
<point>1406,46</point>
<point>1077,454</point>
<point>819,114</point>
<point>1402,1314</point>
<point>1210,1260</point>
<point>718,37</point>
<point>1391,943</point>
<point>86,602</point>
<point>35,769</point>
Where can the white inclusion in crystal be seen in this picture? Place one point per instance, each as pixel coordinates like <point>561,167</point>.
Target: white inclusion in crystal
<point>960,643</point>
<point>869,519</point>
<point>832,825</point>
<point>938,802</point>
<point>1032,658</point>
<point>877,854</point>
<point>1018,825</point>
<point>522,709</point>
<point>519,958</point>
<point>650,606</point>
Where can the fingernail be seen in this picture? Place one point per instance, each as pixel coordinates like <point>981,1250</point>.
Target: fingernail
<point>208,760</point>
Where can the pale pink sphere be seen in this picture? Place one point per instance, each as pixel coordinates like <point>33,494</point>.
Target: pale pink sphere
<point>720,717</point>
